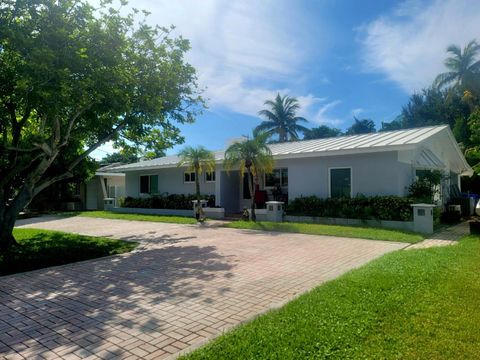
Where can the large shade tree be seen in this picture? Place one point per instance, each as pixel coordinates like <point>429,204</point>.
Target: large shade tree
<point>198,160</point>
<point>253,157</point>
<point>73,77</point>
<point>281,118</point>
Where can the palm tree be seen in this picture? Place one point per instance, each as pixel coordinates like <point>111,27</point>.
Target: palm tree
<point>197,160</point>
<point>364,126</point>
<point>463,66</point>
<point>253,156</point>
<point>281,118</point>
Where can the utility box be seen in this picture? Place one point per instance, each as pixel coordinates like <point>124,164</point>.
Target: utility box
<point>108,203</point>
<point>423,218</point>
<point>275,210</point>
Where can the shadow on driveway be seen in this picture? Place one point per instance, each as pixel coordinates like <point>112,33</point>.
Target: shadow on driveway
<point>101,305</point>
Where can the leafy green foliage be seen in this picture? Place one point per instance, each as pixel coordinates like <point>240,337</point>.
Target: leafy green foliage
<point>198,160</point>
<point>119,157</point>
<point>73,77</point>
<point>426,186</point>
<point>37,249</point>
<point>281,118</point>
<point>363,126</point>
<point>360,207</point>
<point>463,65</point>
<point>172,201</point>
<point>330,230</point>
<point>321,132</point>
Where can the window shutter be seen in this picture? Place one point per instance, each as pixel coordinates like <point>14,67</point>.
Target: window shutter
<point>154,184</point>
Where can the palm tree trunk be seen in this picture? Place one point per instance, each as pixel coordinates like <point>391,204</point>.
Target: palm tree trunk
<point>197,192</point>
<point>252,194</point>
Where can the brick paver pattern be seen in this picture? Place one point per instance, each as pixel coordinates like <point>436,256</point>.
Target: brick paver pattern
<point>184,285</point>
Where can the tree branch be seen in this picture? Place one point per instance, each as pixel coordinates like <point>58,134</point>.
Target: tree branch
<point>71,122</point>
<point>120,127</point>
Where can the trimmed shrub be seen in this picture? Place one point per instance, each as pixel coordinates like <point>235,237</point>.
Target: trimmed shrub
<point>173,201</point>
<point>360,207</point>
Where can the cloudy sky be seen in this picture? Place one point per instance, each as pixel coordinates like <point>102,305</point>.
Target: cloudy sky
<point>339,58</point>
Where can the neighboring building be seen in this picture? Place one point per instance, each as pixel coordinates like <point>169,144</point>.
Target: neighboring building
<point>383,163</point>
<point>105,184</point>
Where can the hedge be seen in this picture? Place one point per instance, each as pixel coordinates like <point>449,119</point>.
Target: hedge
<point>360,207</point>
<point>173,201</point>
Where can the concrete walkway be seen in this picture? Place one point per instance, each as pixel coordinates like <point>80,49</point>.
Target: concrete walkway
<point>185,285</point>
<point>445,237</point>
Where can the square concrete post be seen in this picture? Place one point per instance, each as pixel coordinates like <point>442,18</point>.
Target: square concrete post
<point>423,218</point>
<point>275,211</point>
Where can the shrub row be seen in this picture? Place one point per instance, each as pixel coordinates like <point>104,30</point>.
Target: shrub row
<point>173,201</point>
<point>360,207</point>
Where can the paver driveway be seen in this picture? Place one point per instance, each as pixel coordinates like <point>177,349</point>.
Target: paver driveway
<point>186,284</point>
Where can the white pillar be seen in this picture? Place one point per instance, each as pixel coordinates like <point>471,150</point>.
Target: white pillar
<point>423,218</point>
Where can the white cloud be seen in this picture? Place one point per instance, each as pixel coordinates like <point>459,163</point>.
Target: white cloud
<point>409,45</point>
<point>245,51</point>
<point>103,151</point>
<point>322,118</point>
<point>356,112</point>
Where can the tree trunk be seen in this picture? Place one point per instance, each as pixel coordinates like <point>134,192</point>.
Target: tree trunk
<point>7,223</point>
<point>252,195</point>
<point>197,185</point>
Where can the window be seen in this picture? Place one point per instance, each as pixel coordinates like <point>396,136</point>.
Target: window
<point>210,176</point>
<point>279,177</point>
<point>340,182</point>
<point>149,184</point>
<point>189,177</point>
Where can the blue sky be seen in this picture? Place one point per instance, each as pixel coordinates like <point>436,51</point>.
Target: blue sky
<point>339,58</point>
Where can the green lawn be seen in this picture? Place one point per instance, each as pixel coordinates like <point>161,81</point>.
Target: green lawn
<point>333,230</point>
<point>138,217</point>
<point>42,248</point>
<point>413,304</point>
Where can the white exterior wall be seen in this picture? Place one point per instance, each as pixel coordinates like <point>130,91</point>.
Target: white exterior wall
<point>379,173</point>
<point>94,190</point>
<point>170,180</point>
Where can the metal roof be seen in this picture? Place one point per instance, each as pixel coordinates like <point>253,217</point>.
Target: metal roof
<point>428,160</point>
<point>387,140</point>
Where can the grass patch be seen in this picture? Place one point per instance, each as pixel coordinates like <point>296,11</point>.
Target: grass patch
<point>42,248</point>
<point>136,217</point>
<point>332,230</point>
<point>415,304</point>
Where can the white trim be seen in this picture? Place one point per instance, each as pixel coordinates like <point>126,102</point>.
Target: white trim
<point>210,181</point>
<point>189,172</point>
<point>109,174</point>
<point>468,171</point>
<point>330,183</point>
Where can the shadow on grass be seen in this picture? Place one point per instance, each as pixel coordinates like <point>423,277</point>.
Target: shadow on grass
<point>82,305</point>
<point>38,249</point>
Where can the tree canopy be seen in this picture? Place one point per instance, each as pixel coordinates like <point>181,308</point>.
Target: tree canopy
<point>321,132</point>
<point>252,156</point>
<point>73,77</point>
<point>281,118</point>
<point>363,126</point>
<point>198,160</point>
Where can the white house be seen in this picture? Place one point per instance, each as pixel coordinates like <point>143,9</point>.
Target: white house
<point>105,184</point>
<point>383,163</point>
